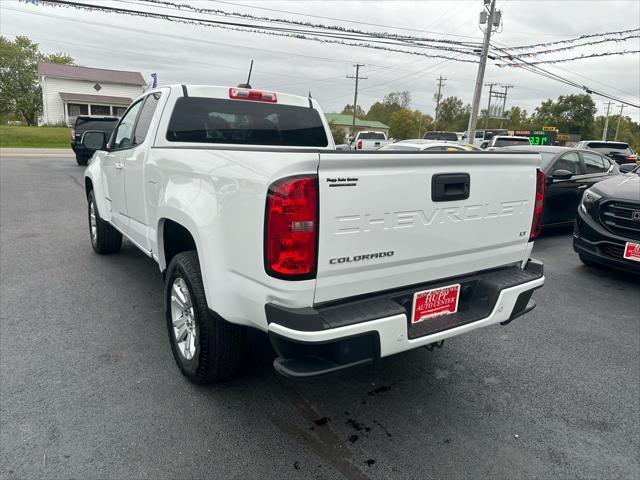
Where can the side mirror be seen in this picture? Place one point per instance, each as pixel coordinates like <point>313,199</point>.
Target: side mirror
<point>94,140</point>
<point>561,174</point>
<point>351,140</point>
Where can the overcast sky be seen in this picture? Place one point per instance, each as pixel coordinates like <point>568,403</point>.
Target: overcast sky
<point>181,53</point>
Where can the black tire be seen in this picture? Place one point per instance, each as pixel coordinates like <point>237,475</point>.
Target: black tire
<point>220,346</point>
<point>106,239</point>
<point>82,160</point>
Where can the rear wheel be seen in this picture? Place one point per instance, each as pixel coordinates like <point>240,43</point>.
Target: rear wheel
<point>206,347</point>
<point>82,160</point>
<point>104,238</point>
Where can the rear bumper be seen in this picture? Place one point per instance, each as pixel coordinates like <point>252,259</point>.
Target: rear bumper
<point>313,341</point>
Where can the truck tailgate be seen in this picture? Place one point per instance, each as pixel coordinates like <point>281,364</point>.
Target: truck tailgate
<point>383,225</point>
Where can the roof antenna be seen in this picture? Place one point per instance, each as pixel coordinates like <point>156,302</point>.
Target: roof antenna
<point>247,85</point>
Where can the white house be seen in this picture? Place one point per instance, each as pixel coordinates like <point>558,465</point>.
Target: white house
<point>69,91</point>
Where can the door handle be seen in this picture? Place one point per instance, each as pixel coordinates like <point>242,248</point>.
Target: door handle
<point>582,187</point>
<point>118,165</point>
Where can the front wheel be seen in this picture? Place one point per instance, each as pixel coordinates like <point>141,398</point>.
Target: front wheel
<point>104,238</point>
<point>206,347</point>
<point>82,160</point>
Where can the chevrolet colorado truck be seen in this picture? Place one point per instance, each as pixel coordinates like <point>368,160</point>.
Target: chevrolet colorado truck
<point>342,257</point>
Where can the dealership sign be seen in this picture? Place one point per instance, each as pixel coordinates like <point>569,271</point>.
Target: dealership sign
<point>539,137</point>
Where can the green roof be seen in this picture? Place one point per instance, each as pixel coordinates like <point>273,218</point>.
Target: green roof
<point>346,119</point>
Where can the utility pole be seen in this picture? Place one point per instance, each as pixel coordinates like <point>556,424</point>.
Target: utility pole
<point>504,102</point>
<point>606,122</point>
<point>440,85</point>
<point>355,96</point>
<point>491,21</point>
<point>486,120</point>
<point>619,118</point>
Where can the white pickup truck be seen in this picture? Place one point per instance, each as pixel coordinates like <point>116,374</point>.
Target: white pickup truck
<point>342,258</point>
<point>369,141</point>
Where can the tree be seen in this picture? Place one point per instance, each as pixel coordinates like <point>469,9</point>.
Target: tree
<point>348,109</point>
<point>402,99</point>
<point>569,114</point>
<point>629,130</point>
<point>453,115</point>
<point>402,124</point>
<point>517,119</point>
<point>422,123</point>
<point>20,91</point>
<point>337,132</point>
<point>391,103</point>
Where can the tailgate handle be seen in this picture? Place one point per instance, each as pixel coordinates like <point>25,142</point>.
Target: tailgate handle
<point>446,187</point>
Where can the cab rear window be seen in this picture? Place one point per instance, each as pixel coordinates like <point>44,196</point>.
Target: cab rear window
<point>504,142</point>
<point>371,136</point>
<point>242,122</point>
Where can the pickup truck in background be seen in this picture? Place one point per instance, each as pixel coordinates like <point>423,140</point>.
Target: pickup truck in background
<point>481,136</point>
<point>500,141</point>
<point>341,257</point>
<point>84,123</point>
<point>369,141</point>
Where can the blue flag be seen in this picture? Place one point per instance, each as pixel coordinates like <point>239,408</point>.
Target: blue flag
<point>155,80</point>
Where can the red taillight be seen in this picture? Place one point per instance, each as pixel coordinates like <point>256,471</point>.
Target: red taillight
<point>255,95</point>
<point>359,145</point>
<point>291,228</point>
<point>631,158</point>
<point>538,205</point>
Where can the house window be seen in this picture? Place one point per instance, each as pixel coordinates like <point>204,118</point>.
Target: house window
<point>75,109</point>
<point>100,110</point>
<point>119,111</point>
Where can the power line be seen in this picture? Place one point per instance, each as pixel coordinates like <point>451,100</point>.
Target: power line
<point>350,21</point>
<point>301,34</point>
<point>575,39</point>
<point>410,40</point>
<point>570,47</point>
<point>545,73</point>
<point>571,59</point>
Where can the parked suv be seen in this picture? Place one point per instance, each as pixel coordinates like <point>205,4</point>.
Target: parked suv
<point>89,122</point>
<point>607,229</point>
<point>621,152</point>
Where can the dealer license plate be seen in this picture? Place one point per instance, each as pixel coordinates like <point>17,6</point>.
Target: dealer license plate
<point>434,303</point>
<point>632,251</point>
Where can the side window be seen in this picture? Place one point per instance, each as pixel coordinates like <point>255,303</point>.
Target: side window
<point>124,132</point>
<point>569,161</point>
<point>594,163</point>
<point>480,135</point>
<point>144,121</point>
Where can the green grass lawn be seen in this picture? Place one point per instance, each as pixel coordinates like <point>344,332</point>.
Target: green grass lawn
<point>34,137</point>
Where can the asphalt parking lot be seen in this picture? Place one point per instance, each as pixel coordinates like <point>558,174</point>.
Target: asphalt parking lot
<point>89,388</point>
